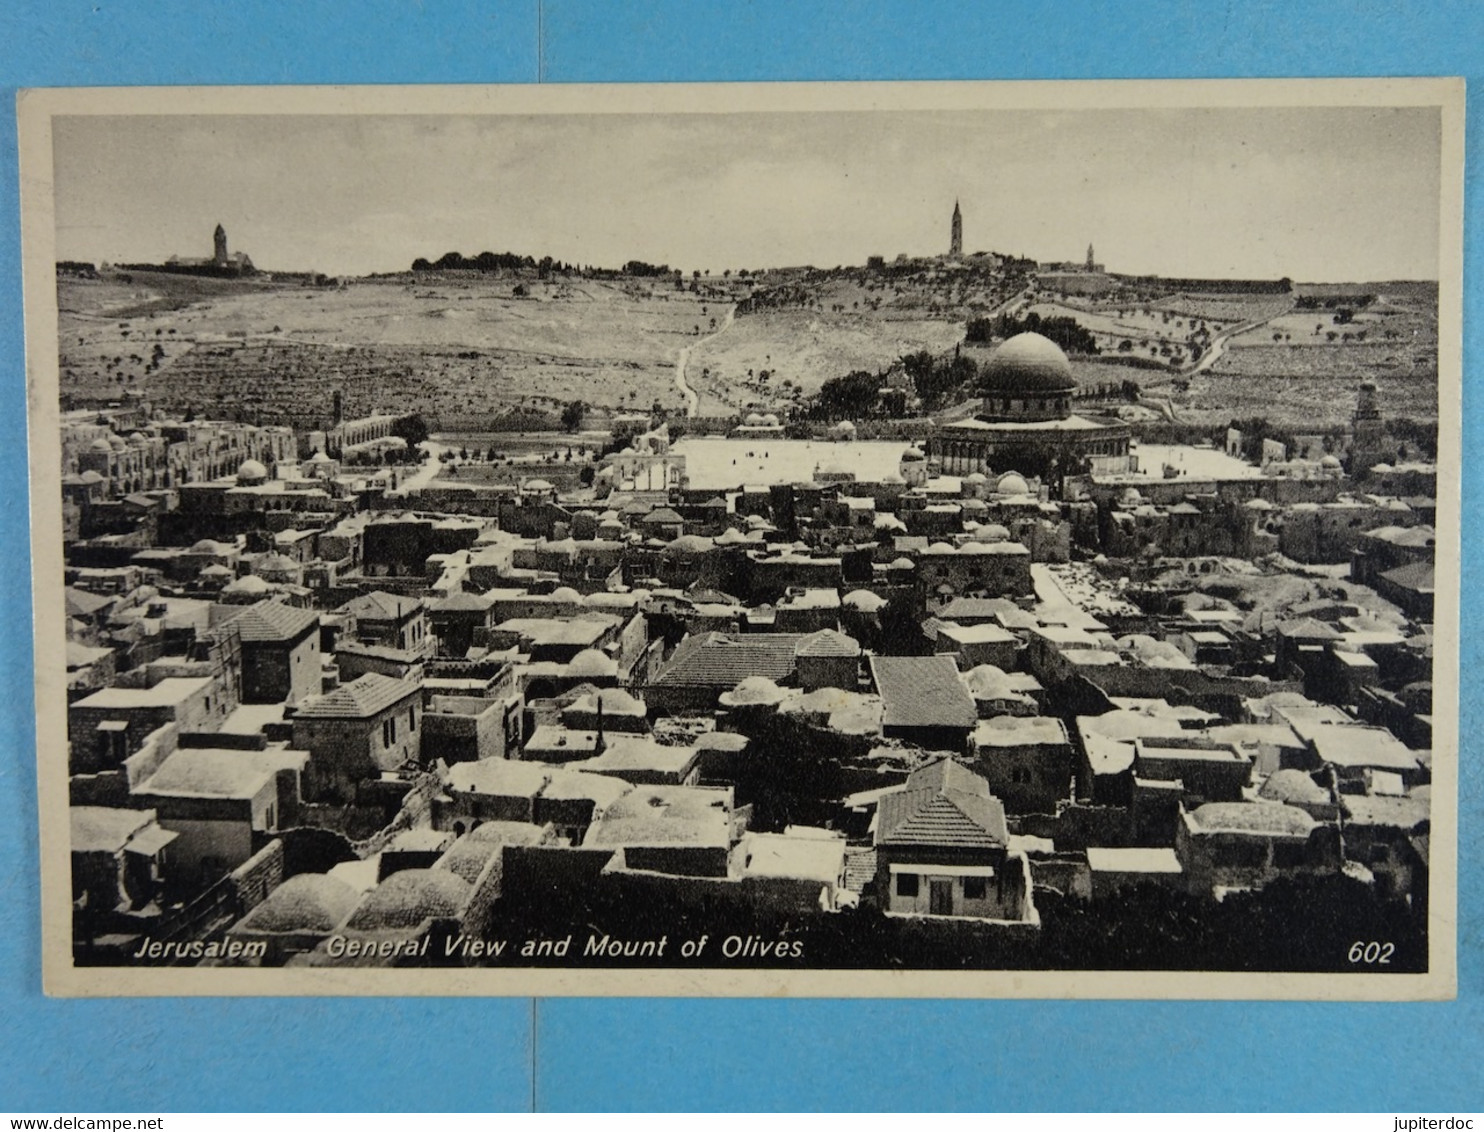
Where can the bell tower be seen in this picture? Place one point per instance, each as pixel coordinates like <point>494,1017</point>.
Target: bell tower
<point>220,255</point>
<point>956,234</point>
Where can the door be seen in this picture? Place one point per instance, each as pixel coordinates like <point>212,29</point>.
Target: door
<point>940,897</point>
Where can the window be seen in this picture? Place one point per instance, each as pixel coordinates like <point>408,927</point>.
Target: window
<point>907,884</point>
<point>1021,774</point>
<point>412,718</point>
<point>973,888</point>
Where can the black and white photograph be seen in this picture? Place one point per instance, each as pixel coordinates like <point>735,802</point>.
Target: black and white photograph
<point>954,540</point>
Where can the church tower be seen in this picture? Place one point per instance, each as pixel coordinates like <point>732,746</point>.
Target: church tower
<point>956,238</point>
<point>220,256</point>
<point>1092,264</point>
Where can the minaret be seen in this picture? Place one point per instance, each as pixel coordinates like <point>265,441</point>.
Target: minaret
<point>220,258</point>
<point>956,239</point>
<point>1367,432</point>
<point>1091,263</point>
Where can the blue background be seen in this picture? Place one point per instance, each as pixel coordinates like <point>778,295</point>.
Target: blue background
<point>327,1054</point>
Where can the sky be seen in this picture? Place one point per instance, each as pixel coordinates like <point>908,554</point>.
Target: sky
<point>1315,194</point>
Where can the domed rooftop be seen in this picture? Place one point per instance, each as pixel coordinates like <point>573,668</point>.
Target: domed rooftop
<point>565,593</point>
<point>405,899</point>
<point>101,445</point>
<point>251,472</point>
<point>309,902</point>
<point>902,563</point>
<point>1293,786</point>
<point>1331,461</point>
<point>1029,363</point>
<point>1013,483</point>
<point>912,455</point>
<point>752,691</point>
<point>976,477</point>
<point>251,584</point>
<point>687,545</point>
<point>591,662</point>
<point>617,700</point>
<point>863,600</point>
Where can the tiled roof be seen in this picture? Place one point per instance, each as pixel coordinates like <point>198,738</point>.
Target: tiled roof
<point>922,691</point>
<point>272,621</point>
<point>942,805</point>
<point>662,515</point>
<point>362,698</point>
<point>828,642</point>
<point>1416,576</point>
<point>379,605</point>
<point>461,601</point>
<point>1308,629</point>
<point>718,660</point>
<point>80,603</point>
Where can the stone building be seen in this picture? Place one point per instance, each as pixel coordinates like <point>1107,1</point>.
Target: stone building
<point>1026,420</point>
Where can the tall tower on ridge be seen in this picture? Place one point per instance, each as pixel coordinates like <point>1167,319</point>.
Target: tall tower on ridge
<point>220,258</point>
<point>1091,262</point>
<point>956,239</point>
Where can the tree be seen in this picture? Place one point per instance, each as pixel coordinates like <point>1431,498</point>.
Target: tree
<point>411,428</point>
<point>572,414</point>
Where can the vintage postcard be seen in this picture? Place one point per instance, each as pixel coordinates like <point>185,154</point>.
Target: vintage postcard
<point>964,539</point>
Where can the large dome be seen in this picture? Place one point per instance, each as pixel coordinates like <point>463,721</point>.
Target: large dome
<point>1029,363</point>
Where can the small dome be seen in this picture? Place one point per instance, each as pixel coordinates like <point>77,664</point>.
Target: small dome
<point>101,445</point>
<point>617,700</point>
<point>1029,363</point>
<point>1293,786</point>
<point>753,691</point>
<point>117,442</point>
<point>863,601</point>
<point>591,662</point>
<point>976,478</point>
<point>753,419</point>
<point>903,563</point>
<point>215,570</point>
<point>988,682</point>
<point>538,485</point>
<point>688,545</point>
<point>1331,462</point>
<point>319,458</point>
<point>974,548</point>
<point>913,455</point>
<point>993,532</point>
<point>566,594</point>
<point>941,548</point>
<point>309,902</point>
<point>1012,483</point>
<point>251,472</point>
<point>770,419</point>
<point>251,584</point>
<point>407,898</point>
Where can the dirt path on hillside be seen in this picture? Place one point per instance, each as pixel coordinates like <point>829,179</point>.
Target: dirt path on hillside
<point>682,359</point>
